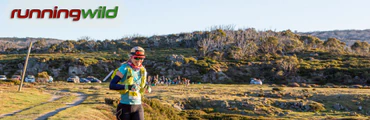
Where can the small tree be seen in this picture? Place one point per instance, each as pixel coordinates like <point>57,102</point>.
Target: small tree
<point>289,65</point>
<point>360,47</point>
<point>334,45</point>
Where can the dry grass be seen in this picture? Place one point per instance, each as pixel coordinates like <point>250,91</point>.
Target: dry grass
<point>206,101</point>
<point>254,100</point>
<point>86,112</point>
<point>12,100</point>
<point>35,112</point>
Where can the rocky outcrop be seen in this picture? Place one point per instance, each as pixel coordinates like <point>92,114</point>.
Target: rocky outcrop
<point>61,70</point>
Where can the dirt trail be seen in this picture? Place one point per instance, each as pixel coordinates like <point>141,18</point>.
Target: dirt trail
<point>81,97</point>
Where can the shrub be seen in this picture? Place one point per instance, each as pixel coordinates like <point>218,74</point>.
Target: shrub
<point>190,59</point>
<point>195,112</point>
<point>112,101</point>
<point>208,110</point>
<point>157,110</point>
<point>316,106</point>
<point>16,82</point>
<point>178,64</point>
<point>277,89</point>
<point>6,83</point>
<point>42,77</point>
<point>202,63</point>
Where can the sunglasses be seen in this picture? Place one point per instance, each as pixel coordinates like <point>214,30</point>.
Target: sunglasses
<point>137,58</point>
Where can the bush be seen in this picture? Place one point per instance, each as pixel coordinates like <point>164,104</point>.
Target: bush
<point>277,89</point>
<point>112,101</point>
<point>190,59</point>
<point>208,110</point>
<point>155,110</point>
<point>16,82</point>
<point>316,106</point>
<point>195,112</point>
<point>202,63</point>
<point>178,64</point>
<point>42,77</point>
<point>6,83</point>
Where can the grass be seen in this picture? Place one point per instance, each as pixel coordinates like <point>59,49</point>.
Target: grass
<point>206,101</point>
<point>12,100</point>
<point>35,112</point>
<point>248,100</point>
<point>86,111</point>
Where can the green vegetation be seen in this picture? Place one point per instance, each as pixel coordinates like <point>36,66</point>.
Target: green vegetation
<point>42,109</point>
<point>203,101</point>
<point>217,101</point>
<point>276,57</point>
<point>13,100</point>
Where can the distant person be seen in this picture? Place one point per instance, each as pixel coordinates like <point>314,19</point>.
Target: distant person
<point>149,78</point>
<point>130,81</point>
<point>187,82</point>
<point>169,81</point>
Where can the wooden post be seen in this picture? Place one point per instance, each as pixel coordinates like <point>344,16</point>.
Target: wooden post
<point>25,67</point>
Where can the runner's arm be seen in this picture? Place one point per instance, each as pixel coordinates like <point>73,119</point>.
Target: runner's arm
<point>114,83</point>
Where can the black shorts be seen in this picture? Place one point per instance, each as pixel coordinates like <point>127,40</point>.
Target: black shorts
<point>130,112</point>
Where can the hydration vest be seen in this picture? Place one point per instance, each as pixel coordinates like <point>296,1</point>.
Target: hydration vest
<point>130,80</point>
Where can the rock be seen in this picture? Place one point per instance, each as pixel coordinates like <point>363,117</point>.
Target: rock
<point>356,86</point>
<point>352,114</point>
<point>307,107</point>
<point>337,106</point>
<point>243,113</point>
<point>282,105</point>
<point>20,65</point>
<point>225,104</point>
<point>360,108</point>
<point>177,107</point>
<point>286,112</point>
<point>56,72</point>
<point>293,84</point>
<point>358,103</point>
<point>176,58</point>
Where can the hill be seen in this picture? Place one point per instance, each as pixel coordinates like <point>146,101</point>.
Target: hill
<point>220,55</point>
<point>11,43</point>
<point>347,36</point>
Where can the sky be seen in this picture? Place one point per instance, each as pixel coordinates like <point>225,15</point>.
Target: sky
<point>161,17</point>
